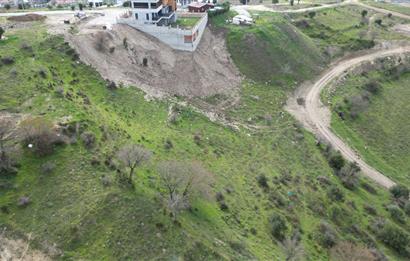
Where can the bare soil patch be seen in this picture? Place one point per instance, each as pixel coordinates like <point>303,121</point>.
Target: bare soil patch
<point>402,28</point>
<point>18,249</point>
<point>125,55</point>
<point>27,18</point>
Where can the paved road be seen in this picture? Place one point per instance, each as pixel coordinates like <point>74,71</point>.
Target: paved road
<point>316,116</point>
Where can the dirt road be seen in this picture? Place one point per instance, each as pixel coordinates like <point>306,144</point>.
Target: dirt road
<point>316,117</point>
<point>241,8</point>
<point>262,8</point>
<point>381,10</point>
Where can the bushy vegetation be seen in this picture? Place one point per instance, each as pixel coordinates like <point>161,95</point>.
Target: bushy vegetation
<point>73,197</point>
<point>395,237</point>
<point>343,29</point>
<point>368,112</point>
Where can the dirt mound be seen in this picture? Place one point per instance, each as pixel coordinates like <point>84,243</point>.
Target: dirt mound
<point>128,56</point>
<point>27,18</point>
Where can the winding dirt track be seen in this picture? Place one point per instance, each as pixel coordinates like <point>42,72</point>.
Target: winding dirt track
<point>316,117</point>
<point>242,8</point>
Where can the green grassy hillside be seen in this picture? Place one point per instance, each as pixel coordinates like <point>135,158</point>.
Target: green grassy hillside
<point>273,51</point>
<point>381,129</point>
<point>340,30</point>
<point>404,9</point>
<point>275,181</point>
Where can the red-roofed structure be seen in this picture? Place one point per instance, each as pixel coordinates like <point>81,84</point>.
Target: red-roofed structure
<point>196,7</point>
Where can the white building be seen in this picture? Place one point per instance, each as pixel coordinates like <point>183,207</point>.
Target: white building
<point>156,12</point>
<point>158,19</point>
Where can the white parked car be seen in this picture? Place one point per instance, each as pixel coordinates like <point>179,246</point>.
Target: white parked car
<point>80,14</point>
<point>242,19</point>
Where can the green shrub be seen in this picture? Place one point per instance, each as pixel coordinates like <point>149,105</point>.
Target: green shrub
<point>2,31</point>
<point>278,226</point>
<point>47,168</point>
<point>400,191</point>
<point>396,213</point>
<point>373,87</point>
<point>336,161</point>
<point>335,193</point>
<point>312,14</point>
<point>7,60</point>
<point>407,208</point>
<point>396,238</point>
<point>263,181</point>
<point>370,209</point>
<point>326,235</point>
<point>88,139</point>
<point>349,175</point>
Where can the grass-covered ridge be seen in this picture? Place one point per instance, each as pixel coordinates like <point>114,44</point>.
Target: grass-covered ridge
<point>272,50</point>
<point>274,181</point>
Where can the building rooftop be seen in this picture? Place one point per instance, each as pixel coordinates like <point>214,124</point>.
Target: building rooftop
<point>198,5</point>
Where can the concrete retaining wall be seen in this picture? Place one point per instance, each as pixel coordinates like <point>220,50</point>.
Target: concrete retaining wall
<point>175,37</point>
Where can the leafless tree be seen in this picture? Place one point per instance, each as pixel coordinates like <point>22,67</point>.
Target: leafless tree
<point>294,251</point>
<point>346,251</point>
<point>181,182</point>
<point>133,156</point>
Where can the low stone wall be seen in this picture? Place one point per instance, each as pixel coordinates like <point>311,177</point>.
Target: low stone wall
<point>177,38</point>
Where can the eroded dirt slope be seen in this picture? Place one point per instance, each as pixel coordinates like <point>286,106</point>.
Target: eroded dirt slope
<point>207,71</point>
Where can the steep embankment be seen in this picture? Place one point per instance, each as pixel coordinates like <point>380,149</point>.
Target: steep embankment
<point>274,51</point>
<point>119,55</point>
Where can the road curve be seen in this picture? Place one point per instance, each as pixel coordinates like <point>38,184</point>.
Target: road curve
<point>381,10</point>
<point>263,8</point>
<point>312,115</point>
